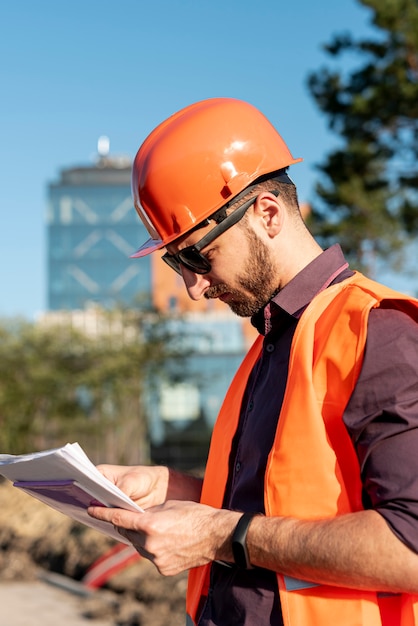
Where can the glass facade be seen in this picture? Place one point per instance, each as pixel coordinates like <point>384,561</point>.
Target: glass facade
<point>92,230</point>
<point>194,390</point>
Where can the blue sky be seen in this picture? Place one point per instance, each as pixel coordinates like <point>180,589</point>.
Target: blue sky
<point>73,70</point>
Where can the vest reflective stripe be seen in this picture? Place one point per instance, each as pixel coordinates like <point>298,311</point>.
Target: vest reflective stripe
<point>325,361</point>
<point>294,584</point>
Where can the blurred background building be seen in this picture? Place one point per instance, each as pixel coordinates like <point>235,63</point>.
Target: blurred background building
<point>92,229</point>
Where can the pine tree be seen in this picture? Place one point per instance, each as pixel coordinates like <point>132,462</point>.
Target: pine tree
<point>368,189</point>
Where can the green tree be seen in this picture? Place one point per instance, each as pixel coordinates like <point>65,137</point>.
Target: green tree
<point>58,384</point>
<point>368,189</point>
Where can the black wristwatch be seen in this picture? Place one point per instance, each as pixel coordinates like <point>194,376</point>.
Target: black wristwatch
<point>239,544</point>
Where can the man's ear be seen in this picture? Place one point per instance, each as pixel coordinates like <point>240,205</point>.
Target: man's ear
<point>270,213</point>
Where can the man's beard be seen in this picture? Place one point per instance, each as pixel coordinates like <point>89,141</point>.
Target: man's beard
<point>258,281</point>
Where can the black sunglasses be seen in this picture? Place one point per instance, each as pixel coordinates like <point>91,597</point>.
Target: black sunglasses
<point>191,257</point>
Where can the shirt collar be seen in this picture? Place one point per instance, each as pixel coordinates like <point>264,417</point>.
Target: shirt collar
<point>298,293</point>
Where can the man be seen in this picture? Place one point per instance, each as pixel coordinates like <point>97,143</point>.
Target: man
<point>308,512</point>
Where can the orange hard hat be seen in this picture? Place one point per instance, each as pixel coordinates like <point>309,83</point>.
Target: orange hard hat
<point>196,161</point>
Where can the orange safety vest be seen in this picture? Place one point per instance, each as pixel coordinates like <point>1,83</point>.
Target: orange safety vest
<point>312,470</point>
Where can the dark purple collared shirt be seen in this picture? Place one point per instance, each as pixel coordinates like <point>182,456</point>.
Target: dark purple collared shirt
<point>381,417</point>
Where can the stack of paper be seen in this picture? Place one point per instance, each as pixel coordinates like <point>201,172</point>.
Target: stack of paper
<point>66,479</point>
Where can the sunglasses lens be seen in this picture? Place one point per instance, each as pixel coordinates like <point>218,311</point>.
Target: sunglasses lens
<point>194,261</point>
<point>191,259</point>
<point>172,262</point>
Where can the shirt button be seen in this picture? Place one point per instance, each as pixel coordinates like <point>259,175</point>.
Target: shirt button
<point>237,466</point>
<point>250,405</point>
<point>270,347</point>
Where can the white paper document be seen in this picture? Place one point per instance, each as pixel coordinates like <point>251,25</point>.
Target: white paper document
<point>66,479</point>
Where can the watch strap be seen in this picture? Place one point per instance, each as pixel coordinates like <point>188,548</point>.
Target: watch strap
<point>239,541</point>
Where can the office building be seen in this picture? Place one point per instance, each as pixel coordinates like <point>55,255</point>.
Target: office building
<point>92,230</point>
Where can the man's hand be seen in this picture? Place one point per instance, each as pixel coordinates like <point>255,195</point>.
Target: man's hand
<point>152,485</point>
<point>356,550</point>
<point>175,536</point>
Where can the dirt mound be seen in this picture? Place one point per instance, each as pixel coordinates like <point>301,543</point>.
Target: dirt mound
<point>36,541</point>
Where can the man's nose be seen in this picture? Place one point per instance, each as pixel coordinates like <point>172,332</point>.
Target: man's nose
<point>196,284</point>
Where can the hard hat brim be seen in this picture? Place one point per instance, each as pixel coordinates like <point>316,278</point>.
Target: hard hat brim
<point>147,248</point>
